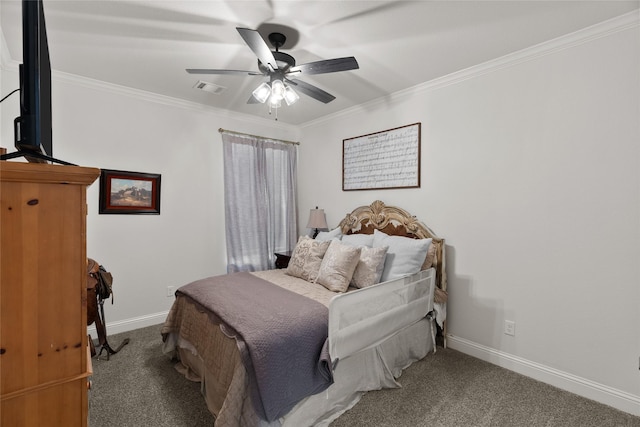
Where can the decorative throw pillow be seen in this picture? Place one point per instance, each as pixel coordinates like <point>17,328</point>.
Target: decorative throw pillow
<point>323,236</point>
<point>404,256</point>
<point>431,257</point>
<point>338,265</point>
<point>369,268</point>
<point>306,258</point>
<point>358,239</point>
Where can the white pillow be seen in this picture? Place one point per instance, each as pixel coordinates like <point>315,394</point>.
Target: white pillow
<point>404,256</point>
<point>369,268</point>
<point>358,240</point>
<point>325,236</point>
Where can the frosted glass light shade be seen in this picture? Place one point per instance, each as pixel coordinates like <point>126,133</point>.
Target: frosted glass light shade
<point>290,95</point>
<point>262,92</point>
<point>275,102</point>
<point>277,89</point>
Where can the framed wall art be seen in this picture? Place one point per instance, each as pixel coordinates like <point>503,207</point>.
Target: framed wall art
<point>382,160</point>
<point>123,192</point>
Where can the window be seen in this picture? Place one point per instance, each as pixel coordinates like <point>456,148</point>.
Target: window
<point>260,200</point>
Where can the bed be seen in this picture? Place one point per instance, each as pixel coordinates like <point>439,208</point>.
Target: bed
<point>301,345</point>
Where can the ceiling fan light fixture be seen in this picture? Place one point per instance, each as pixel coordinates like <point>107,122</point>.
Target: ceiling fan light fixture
<point>275,102</point>
<point>279,67</point>
<point>262,92</point>
<point>290,95</point>
<point>277,89</point>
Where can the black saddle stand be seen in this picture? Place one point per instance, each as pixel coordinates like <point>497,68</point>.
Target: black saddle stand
<point>106,347</point>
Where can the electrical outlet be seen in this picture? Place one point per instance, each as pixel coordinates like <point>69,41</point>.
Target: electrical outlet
<point>170,291</point>
<point>510,327</point>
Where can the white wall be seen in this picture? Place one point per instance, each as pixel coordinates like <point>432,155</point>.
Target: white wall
<point>110,127</point>
<point>4,54</point>
<point>531,172</point>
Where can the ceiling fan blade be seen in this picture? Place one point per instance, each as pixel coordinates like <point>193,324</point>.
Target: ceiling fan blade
<point>207,71</point>
<point>327,66</point>
<point>255,41</point>
<point>312,91</point>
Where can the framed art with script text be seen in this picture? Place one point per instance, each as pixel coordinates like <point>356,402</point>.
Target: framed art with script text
<point>382,160</point>
<point>123,192</point>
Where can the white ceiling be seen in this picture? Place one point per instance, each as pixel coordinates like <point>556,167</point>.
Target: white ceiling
<point>148,44</point>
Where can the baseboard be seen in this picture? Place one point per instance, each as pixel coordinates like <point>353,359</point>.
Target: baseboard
<point>131,324</point>
<point>583,387</point>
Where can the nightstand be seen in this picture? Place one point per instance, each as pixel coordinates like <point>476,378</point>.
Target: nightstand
<point>282,259</point>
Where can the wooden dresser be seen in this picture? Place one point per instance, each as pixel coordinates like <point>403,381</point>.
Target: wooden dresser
<point>44,366</point>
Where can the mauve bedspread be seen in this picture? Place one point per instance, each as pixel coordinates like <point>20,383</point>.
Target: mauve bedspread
<point>281,337</point>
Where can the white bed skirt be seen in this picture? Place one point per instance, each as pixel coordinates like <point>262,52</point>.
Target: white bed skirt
<point>373,369</point>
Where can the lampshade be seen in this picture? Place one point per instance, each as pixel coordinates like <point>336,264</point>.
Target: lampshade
<point>290,95</point>
<point>262,92</point>
<point>317,219</point>
<point>277,89</point>
<point>275,102</point>
<point>275,93</point>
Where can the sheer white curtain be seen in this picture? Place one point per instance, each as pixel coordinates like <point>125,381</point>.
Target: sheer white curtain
<point>260,200</point>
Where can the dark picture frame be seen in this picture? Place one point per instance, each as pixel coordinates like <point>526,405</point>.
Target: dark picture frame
<point>124,192</point>
<point>384,160</point>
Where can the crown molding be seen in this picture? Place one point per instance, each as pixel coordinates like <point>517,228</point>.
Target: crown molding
<point>596,31</point>
<point>567,41</point>
<point>550,47</point>
<point>139,94</point>
<point>93,84</point>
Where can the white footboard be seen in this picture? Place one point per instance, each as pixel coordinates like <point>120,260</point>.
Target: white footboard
<point>362,319</point>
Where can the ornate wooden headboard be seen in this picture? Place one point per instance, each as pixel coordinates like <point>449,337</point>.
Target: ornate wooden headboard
<point>398,222</point>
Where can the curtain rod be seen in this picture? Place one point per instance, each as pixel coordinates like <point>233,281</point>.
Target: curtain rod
<point>257,136</point>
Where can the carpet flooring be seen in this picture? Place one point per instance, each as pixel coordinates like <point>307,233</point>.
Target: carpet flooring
<point>139,387</point>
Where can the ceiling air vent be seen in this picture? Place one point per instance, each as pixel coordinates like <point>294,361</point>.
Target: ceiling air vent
<point>209,87</point>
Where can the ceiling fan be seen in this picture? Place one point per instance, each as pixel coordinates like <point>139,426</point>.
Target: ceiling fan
<point>281,68</point>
